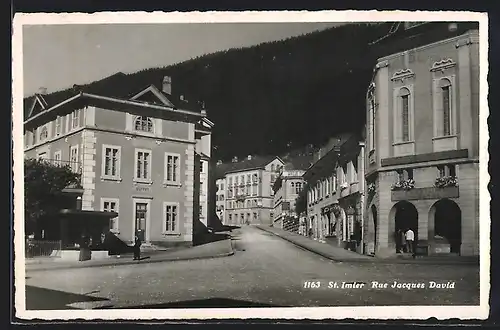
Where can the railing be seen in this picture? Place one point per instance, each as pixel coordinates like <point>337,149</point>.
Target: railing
<point>291,225</point>
<point>36,248</point>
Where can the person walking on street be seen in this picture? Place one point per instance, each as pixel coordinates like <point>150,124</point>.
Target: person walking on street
<point>409,237</point>
<point>137,247</point>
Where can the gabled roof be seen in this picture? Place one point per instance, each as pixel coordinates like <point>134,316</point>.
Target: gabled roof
<point>256,162</point>
<point>335,152</point>
<point>119,86</point>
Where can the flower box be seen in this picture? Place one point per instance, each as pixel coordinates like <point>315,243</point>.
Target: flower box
<point>404,185</point>
<point>446,181</point>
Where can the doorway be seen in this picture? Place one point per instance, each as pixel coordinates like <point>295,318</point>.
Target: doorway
<point>405,217</point>
<point>448,223</point>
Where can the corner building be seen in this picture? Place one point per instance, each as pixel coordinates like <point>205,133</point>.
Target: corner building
<point>422,152</point>
<point>142,152</point>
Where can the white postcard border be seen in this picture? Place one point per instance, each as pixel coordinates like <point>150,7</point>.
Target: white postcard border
<point>384,312</point>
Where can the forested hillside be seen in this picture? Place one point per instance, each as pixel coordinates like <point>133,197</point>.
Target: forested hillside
<point>280,96</point>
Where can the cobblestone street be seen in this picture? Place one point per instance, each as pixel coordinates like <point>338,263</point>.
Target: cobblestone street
<point>264,271</point>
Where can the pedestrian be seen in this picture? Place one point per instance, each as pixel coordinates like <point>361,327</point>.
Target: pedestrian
<point>137,247</point>
<point>410,238</point>
<point>402,241</point>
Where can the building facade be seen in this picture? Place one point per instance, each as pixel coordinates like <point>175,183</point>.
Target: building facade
<point>287,188</point>
<point>422,151</point>
<point>335,194</point>
<point>136,155</point>
<point>248,195</point>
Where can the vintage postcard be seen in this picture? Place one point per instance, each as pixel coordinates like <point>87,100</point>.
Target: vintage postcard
<point>251,165</point>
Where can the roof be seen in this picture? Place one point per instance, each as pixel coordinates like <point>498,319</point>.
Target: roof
<point>119,85</point>
<point>346,145</point>
<point>256,162</point>
<point>298,162</point>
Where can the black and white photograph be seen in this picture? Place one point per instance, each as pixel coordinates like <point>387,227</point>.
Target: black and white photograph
<point>232,165</point>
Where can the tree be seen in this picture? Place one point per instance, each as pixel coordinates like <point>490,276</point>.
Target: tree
<point>43,184</point>
<point>301,200</point>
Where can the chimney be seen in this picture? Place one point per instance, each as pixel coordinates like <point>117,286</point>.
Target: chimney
<point>181,97</point>
<point>219,162</point>
<point>235,159</point>
<point>42,90</point>
<point>167,85</point>
<point>249,157</point>
<point>452,27</point>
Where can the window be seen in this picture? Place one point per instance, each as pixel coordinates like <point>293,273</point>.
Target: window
<point>221,186</point>
<point>172,168</point>
<point>201,166</point>
<point>143,123</point>
<point>447,170</point>
<point>272,168</point>
<point>111,161</point>
<point>33,134</point>
<point>298,187</point>
<point>230,217</point>
<point>445,86</point>
<point>255,216</point>
<point>401,175</point>
<point>404,95</point>
<point>142,165</point>
<point>73,158</point>
<point>371,121</point>
<point>75,119</point>
<point>111,205</point>
<point>171,218</point>
<point>44,133</point>
<point>57,158</point>
<point>58,125</point>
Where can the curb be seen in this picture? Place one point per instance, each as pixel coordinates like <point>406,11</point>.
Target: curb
<point>149,261</point>
<point>374,260</point>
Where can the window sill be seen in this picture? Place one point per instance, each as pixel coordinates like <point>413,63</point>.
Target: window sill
<point>142,181</point>
<point>399,143</point>
<point>171,234</point>
<point>444,137</point>
<point>111,178</point>
<point>171,184</point>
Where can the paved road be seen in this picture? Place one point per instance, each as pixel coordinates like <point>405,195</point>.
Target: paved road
<point>265,271</point>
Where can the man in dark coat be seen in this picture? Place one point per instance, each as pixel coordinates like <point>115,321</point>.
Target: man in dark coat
<point>137,247</point>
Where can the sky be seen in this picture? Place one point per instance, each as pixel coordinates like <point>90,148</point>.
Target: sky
<point>57,56</point>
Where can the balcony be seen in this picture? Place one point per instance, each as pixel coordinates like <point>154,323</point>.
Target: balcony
<point>240,197</point>
<point>425,193</point>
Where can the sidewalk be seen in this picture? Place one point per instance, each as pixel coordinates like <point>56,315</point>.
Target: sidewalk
<point>341,255</point>
<point>216,249</point>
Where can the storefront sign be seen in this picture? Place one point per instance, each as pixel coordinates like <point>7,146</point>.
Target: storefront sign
<point>143,189</point>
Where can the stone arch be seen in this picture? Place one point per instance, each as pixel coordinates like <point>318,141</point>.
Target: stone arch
<point>446,218</point>
<point>403,215</point>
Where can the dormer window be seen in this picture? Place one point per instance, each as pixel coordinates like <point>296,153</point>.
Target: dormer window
<point>143,123</point>
<point>44,133</point>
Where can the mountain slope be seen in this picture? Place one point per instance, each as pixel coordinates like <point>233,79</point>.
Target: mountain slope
<point>279,96</point>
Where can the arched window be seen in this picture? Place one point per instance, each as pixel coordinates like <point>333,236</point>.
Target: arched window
<point>404,99</point>
<point>445,86</point>
<point>143,123</point>
<point>272,167</point>
<point>44,133</point>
